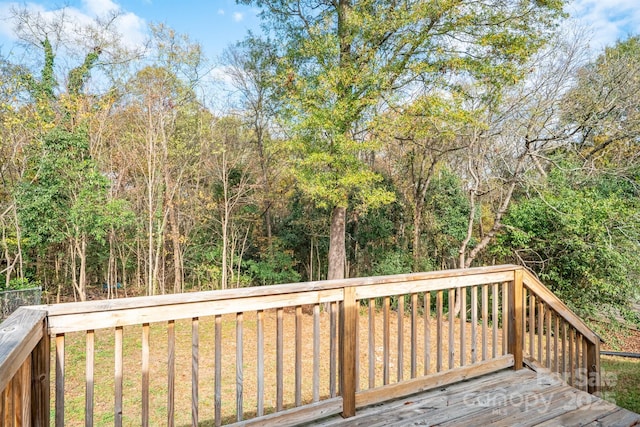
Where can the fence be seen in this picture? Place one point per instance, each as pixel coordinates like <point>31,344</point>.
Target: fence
<point>12,299</point>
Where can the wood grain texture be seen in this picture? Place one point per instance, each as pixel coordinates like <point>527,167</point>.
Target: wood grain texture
<point>195,372</point>
<point>40,383</point>
<point>20,333</point>
<point>239,366</point>
<point>171,371</point>
<point>89,381</point>
<point>145,375</point>
<point>348,335</point>
<point>372,343</point>
<point>60,380</point>
<point>439,379</point>
<point>515,324</point>
<point>260,363</point>
<point>118,377</point>
<point>544,294</point>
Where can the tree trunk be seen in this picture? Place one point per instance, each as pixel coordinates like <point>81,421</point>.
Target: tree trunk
<point>337,243</point>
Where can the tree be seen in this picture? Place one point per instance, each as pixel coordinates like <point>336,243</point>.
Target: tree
<point>251,64</point>
<point>62,203</point>
<point>604,107</point>
<point>579,234</point>
<point>341,58</point>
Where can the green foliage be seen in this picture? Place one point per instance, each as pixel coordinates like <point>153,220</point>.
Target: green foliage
<point>446,216</point>
<point>273,267</point>
<point>17,283</point>
<point>394,262</point>
<point>66,194</point>
<point>580,236</point>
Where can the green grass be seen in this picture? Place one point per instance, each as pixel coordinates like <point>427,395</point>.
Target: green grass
<point>622,376</point>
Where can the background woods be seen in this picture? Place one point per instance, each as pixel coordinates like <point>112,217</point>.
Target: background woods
<point>353,138</point>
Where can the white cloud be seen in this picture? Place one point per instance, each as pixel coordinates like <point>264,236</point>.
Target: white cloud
<point>220,11</point>
<point>606,21</point>
<point>237,16</point>
<point>100,7</point>
<point>130,28</point>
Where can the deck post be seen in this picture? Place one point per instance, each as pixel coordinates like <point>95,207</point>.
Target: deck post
<point>515,319</point>
<point>348,319</point>
<point>593,366</point>
<point>40,374</point>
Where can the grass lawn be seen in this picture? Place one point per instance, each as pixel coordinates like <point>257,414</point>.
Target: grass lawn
<point>623,378</point>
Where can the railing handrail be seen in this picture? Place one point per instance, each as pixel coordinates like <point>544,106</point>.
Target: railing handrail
<point>24,337</point>
<point>104,313</point>
<point>549,298</point>
<point>19,335</point>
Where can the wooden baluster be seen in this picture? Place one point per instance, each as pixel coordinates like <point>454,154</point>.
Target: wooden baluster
<point>427,332</point>
<point>485,320</point>
<point>547,313</point>
<point>280,360</point>
<point>298,368</point>
<point>585,364</point>
<point>439,331</point>
<point>556,336</point>
<point>316,352</point>
<point>386,302</point>
<point>348,320</point>
<point>118,377</point>
<point>505,317</point>
<point>463,326</point>
<point>239,367</point>
<point>372,343</point>
<point>217,396</point>
<point>565,343</point>
<point>540,330</point>
<point>414,335</point>
<point>171,371</point>
<point>571,359</point>
<point>195,372</point>
<point>260,363</point>
<point>400,360</point>
<point>357,346</point>
<point>494,320</point>
<point>532,324</point>
<point>333,349</point>
<point>90,353</point>
<point>60,380</point>
<point>474,324</point>
<point>452,312</point>
<point>145,375</point>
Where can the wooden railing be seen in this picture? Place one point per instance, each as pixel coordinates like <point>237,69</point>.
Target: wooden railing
<point>283,354</point>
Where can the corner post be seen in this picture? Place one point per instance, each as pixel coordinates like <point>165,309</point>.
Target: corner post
<point>348,319</point>
<point>40,374</point>
<point>593,366</point>
<point>515,319</point>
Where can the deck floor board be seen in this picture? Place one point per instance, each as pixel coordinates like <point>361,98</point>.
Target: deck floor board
<point>504,398</point>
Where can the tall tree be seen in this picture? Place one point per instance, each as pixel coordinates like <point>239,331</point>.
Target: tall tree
<point>342,57</point>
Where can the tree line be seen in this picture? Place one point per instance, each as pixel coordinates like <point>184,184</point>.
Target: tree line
<point>350,138</point>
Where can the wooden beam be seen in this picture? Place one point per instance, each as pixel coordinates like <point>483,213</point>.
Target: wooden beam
<point>516,314</point>
<point>40,381</point>
<point>349,317</point>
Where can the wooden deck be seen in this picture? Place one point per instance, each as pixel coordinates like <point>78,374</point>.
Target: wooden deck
<point>504,398</point>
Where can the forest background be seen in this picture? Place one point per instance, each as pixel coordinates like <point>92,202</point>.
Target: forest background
<point>349,138</point>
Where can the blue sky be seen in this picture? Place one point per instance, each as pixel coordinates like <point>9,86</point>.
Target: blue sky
<point>217,23</point>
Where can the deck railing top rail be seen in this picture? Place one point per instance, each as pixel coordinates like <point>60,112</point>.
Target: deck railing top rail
<point>479,320</point>
<point>69,317</point>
